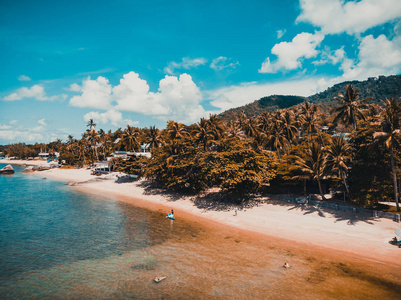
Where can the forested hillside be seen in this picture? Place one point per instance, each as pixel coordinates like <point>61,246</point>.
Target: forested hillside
<point>379,88</point>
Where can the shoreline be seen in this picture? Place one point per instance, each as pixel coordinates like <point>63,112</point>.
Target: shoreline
<point>292,225</point>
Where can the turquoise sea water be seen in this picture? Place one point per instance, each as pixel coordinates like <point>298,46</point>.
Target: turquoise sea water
<point>57,243</point>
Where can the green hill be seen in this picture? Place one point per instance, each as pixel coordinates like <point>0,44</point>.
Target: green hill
<point>378,88</point>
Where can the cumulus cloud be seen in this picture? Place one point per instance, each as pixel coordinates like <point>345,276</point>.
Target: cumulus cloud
<point>111,116</point>
<point>327,56</point>
<point>377,56</point>
<point>95,93</point>
<point>177,98</point>
<point>238,95</point>
<point>336,16</point>
<point>221,63</point>
<point>24,78</point>
<point>186,63</point>
<point>36,91</point>
<point>290,54</point>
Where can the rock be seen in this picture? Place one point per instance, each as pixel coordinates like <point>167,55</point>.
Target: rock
<point>7,170</point>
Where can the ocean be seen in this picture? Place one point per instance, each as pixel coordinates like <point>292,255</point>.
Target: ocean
<point>58,243</point>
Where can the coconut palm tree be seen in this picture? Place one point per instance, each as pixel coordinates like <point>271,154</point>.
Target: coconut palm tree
<point>176,130</point>
<point>202,133</point>
<point>91,124</point>
<point>309,120</point>
<point>216,126</point>
<point>390,135</point>
<point>290,127</point>
<point>153,137</point>
<point>129,138</point>
<point>351,107</point>
<point>312,164</point>
<point>338,159</point>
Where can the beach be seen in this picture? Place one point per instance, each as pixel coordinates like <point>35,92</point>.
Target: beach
<point>332,254</point>
<point>305,226</point>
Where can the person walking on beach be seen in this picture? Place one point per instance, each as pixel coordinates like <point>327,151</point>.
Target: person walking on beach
<point>235,213</point>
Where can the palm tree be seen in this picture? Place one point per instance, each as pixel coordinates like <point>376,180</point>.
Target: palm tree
<point>71,142</point>
<point>351,108</point>
<point>217,127</point>
<point>202,133</point>
<point>390,134</point>
<point>289,125</point>
<point>129,138</point>
<point>234,130</point>
<point>310,120</point>
<point>312,164</point>
<point>91,124</point>
<point>337,159</point>
<point>176,130</point>
<point>153,137</point>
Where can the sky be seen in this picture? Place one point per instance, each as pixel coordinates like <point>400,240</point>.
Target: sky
<point>143,63</point>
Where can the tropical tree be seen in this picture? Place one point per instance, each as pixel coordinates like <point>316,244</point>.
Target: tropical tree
<point>312,164</point>
<point>390,133</point>
<point>309,119</point>
<point>338,159</point>
<point>350,108</point>
<point>130,138</point>
<point>202,133</point>
<point>153,138</point>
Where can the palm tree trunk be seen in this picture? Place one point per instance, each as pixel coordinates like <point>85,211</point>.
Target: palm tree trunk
<point>320,189</point>
<point>345,182</point>
<point>394,178</point>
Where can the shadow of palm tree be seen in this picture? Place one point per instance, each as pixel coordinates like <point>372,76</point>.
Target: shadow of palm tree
<point>218,201</point>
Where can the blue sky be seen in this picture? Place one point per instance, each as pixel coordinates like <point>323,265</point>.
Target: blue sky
<point>146,62</point>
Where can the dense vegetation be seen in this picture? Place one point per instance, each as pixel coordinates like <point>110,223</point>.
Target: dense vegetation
<point>279,151</point>
<point>376,88</point>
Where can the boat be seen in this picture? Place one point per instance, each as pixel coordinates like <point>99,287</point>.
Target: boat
<point>7,170</point>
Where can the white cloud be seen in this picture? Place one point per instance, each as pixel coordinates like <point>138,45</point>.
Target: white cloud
<point>42,122</point>
<point>238,95</point>
<point>377,56</point>
<point>336,16</point>
<point>95,93</point>
<point>290,54</point>
<point>111,116</point>
<point>178,98</point>
<point>24,78</point>
<point>36,91</point>
<point>331,57</point>
<point>186,64</point>
<point>221,63</point>
<point>4,126</point>
<point>74,88</point>
<point>280,33</point>
<point>20,135</point>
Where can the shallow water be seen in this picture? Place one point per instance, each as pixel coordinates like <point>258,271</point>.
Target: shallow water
<point>58,243</point>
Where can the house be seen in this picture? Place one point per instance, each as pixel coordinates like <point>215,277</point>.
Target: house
<point>145,151</point>
<point>43,155</point>
<point>102,167</point>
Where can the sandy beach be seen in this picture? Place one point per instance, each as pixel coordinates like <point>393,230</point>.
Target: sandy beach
<point>296,224</point>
